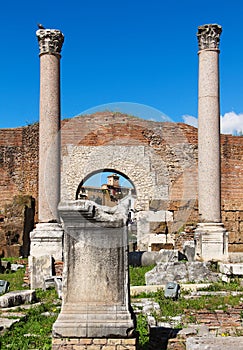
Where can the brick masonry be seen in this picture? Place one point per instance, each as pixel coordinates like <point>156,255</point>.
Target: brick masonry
<point>94,344</point>
<point>18,163</point>
<point>160,159</point>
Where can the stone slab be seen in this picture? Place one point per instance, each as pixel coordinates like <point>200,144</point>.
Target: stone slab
<point>231,269</point>
<point>17,298</point>
<point>6,323</point>
<point>136,290</point>
<point>40,268</point>
<point>181,273</point>
<point>214,343</point>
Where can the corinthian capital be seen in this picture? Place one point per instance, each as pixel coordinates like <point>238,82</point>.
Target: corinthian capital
<point>50,41</point>
<point>208,36</point>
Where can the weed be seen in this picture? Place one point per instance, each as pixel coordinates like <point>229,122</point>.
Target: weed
<point>232,286</point>
<point>137,275</point>
<point>16,279</point>
<point>34,332</point>
<point>142,328</point>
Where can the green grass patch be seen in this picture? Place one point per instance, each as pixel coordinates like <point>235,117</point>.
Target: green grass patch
<point>232,286</point>
<point>170,308</point>
<point>16,279</point>
<point>142,329</point>
<point>34,332</point>
<point>137,274</point>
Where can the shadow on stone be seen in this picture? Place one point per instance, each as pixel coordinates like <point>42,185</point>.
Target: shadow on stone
<point>159,336</point>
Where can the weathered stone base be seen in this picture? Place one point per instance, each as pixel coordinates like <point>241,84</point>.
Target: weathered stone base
<point>46,239</point>
<point>211,242</point>
<point>45,248</point>
<point>94,343</point>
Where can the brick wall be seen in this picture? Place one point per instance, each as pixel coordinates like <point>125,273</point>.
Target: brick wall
<point>171,149</point>
<point>18,163</point>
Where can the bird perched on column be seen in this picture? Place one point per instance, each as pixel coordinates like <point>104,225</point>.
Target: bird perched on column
<point>40,26</point>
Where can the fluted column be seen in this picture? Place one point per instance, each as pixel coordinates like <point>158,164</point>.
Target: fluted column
<point>210,232</point>
<point>50,44</point>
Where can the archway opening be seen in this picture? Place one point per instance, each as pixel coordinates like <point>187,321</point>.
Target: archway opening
<point>106,187</point>
<point>110,187</point>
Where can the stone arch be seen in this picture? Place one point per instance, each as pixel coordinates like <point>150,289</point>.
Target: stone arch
<point>133,161</point>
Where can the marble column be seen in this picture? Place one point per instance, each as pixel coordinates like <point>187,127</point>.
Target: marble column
<point>50,44</point>
<point>46,239</point>
<point>211,236</point>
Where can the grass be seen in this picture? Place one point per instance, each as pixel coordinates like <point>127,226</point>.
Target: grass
<point>34,332</point>
<point>137,275</point>
<point>170,308</point>
<point>142,328</point>
<point>15,279</point>
<point>232,286</point>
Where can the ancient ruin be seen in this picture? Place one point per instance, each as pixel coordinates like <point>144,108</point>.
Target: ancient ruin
<point>95,279</point>
<point>185,189</point>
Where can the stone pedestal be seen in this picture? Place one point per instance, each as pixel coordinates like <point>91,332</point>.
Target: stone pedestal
<point>46,239</point>
<point>95,278</point>
<point>211,242</point>
<point>46,246</point>
<point>210,234</point>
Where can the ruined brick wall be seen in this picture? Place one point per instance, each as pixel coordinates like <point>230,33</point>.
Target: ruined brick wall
<point>160,159</point>
<point>18,188</point>
<point>171,150</point>
<point>232,189</point>
<point>18,163</point>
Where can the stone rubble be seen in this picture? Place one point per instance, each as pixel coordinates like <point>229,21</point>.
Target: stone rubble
<point>181,272</point>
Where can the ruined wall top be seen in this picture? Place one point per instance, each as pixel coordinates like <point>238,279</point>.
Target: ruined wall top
<point>50,41</point>
<point>208,36</point>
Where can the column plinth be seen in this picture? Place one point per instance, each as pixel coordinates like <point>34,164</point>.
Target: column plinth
<point>210,228</point>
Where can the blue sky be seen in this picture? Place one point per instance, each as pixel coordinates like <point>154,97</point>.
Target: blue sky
<point>101,178</point>
<point>133,51</point>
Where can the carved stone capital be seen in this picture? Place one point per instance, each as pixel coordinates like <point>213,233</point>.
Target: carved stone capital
<point>208,36</point>
<point>50,41</point>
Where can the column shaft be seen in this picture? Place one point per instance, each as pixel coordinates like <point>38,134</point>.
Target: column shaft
<point>209,137</point>
<point>49,144</point>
